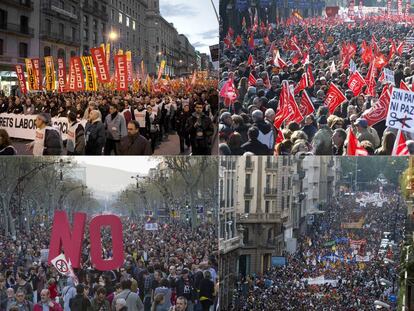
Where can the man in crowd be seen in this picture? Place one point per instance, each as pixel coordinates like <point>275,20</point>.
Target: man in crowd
<point>46,303</point>
<point>48,140</point>
<point>134,143</point>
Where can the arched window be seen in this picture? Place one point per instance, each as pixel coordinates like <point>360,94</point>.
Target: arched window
<point>246,236</point>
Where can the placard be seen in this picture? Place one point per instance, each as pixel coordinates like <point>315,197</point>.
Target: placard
<point>401,110</point>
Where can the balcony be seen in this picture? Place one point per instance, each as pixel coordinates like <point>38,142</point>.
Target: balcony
<point>55,37</point>
<point>248,191</point>
<point>20,4</point>
<point>16,29</point>
<point>249,164</point>
<point>270,192</point>
<point>271,166</point>
<point>61,13</point>
<point>260,218</point>
<point>89,8</point>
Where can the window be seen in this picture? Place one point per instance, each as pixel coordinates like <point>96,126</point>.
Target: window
<point>62,4</point>
<point>1,46</point>
<point>283,202</point>
<point>73,9</point>
<point>61,29</point>
<point>283,183</point>
<point>3,19</point>
<point>246,207</point>
<point>104,29</point>
<point>22,49</point>
<point>73,34</point>
<point>61,53</point>
<point>95,24</point>
<point>95,38</point>
<point>85,19</point>
<point>120,18</point>
<point>268,181</point>
<point>103,8</point>
<point>85,33</point>
<point>127,21</point>
<point>247,180</point>
<point>113,14</point>
<point>46,51</point>
<point>48,23</point>
<point>24,24</point>
<point>267,207</point>
<point>133,25</point>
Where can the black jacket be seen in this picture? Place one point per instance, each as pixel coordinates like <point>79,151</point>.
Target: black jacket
<point>256,147</point>
<point>95,138</point>
<point>53,144</point>
<point>79,303</point>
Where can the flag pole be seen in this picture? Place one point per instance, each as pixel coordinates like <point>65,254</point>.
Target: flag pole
<point>215,10</point>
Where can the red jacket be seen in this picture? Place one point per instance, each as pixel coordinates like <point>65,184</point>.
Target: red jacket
<point>56,307</point>
<point>53,291</point>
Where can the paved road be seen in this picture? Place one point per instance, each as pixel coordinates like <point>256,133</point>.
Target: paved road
<point>170,146</point>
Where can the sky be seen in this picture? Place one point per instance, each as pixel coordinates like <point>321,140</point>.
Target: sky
<point>195,19</point>
<point>118,176</point>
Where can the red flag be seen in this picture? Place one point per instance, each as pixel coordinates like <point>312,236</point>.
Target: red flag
<point>303,84</point>
<point>367,55</point>
<point>379,111</point>
<point>334,98</point>
<point>22,80</point>
<point>370,79</point>
<point>400,48</point>
<point>393,50</point>
<point>306,104</point>
<point>278,61</point>
<point>238,41</point>
<point>279,137</point>
<point>121,72</point>
<point>356,83</point>
<point>283,110</point>
<point>404,86</point>
<point>251,43</point>
<point>250,60</point>
<point>400,145</point>
<point>321,47</point>
<point>252,80</point>
<point>353,147</point>
<point>380,61</point>
<point>311,79</point>
<point>102,71</point>
<point>228,92</point>
<point>227,41</point>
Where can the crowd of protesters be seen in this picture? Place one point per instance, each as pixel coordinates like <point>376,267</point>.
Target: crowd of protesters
<point>128,123</point>
<point>172,269</point>
<point>310,54</point>
<point>326,250</point>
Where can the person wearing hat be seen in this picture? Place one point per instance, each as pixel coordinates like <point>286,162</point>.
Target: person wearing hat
<point>48,140</point>
<point>364,132</point>
<point>75,142</point>
<point>322,141</point>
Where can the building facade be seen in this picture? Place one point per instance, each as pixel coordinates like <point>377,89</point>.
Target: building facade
<point>229,238</point>
<point>59,29</point>
<point>19,38</point>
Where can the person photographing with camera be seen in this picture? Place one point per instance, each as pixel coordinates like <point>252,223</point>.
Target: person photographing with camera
<point>200,128</point>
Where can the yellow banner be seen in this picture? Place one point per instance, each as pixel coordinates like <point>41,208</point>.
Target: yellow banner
<point>50,76</point>
<point>353,225</point>
<point>108,53</point>
<point>90,77</point>
<point>120,52</point>
<point>128,55</point>
<point>31,77</point>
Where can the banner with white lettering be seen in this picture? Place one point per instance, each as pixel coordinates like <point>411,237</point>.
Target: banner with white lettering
<point>401,110</point>
<point>121,72</point>
<point>77,66</point>
<point>102,71</point>
<point>151,226</point>
<point>61,75</point>
<point>389,76</point>
<point>22,80</point>
<point>23,126</point>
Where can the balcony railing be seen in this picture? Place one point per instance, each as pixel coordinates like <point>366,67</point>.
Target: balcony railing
<point>262,217</point>
<point>55,37</point>
<point>271,165</point>
<point>270,191</point>
<point>17,29</point>
<point>21,4</point>
<point>248,191</point>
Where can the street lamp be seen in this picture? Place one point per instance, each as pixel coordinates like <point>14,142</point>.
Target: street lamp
<point>113,35</point>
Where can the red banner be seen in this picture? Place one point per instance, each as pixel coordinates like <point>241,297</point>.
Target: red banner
<point>22,80</point>
<point>61,75</point>
<point>77,66</point>
<point>334,98</point>
<point>356,83</point>
<point>102,71</point>
<point>71,85</point>
<point>38,72</point>
<point>121,72</point>
<point>379,111</point>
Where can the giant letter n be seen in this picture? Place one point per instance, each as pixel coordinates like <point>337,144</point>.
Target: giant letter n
<point>117,259</point>
<point>63,237</point>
